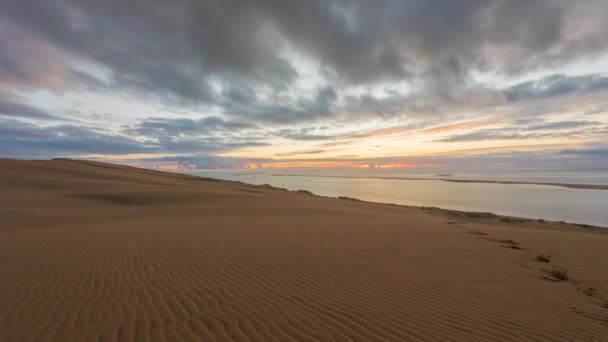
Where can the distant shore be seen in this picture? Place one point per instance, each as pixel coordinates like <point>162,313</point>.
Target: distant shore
<point>563,185</point>
<point>444,211</point>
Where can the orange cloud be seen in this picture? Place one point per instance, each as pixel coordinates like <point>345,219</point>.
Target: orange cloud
<point>462,126</point>
<point>502,149</point>
<point>433,130</point>
<point>405,166</point>
<point>309,164</point>
<point>336,164</point>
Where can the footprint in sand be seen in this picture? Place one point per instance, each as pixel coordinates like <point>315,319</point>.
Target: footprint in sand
<point>510,244</point>
<point>559,275</point>
<point>543,258</point>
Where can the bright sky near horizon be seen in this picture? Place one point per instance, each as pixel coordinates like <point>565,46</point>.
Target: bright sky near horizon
<point>279,84</point>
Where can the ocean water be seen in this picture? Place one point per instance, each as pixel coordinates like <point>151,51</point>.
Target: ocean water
<point>522,200</point>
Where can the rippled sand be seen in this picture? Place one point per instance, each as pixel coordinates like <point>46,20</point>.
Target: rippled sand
<point>91,251</point>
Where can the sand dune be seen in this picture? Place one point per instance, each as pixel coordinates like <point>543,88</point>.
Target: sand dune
<point>91,251</point>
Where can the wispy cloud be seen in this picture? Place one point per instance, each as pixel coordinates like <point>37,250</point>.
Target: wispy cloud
<point>574,129</point>
<point>11,108</point>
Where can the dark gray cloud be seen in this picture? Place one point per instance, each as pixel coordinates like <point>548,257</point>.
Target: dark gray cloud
<point>163,128</point>
<point>26,140</point>
<point>12,108</point>
<point>167,49</point>
<point>20,139</point>
<point>557,85</point>
<point>210,134</point>
<point>574,129</point>
<point>178,50</point>
<point>305,134</point>
<point>590,152</point>
<point>26,61</point>
<point>204,145</point>
<point>242,103</point>
<point>559,125</point>
<point>345,36</point>
<point>487,135</point>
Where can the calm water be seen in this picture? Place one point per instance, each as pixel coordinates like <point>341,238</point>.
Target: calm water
<point>533,201</point>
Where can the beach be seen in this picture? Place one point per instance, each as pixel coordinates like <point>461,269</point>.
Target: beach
<point>94,251</point>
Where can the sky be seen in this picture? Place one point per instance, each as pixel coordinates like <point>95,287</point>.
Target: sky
<point>385,84</point>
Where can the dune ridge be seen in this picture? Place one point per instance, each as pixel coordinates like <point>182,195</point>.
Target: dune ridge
<point>93,251</point>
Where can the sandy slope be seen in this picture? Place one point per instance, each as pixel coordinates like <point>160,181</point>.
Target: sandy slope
<point>90,252</point>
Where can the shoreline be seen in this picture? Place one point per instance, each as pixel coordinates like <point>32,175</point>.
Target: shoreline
<point>563,185</point>
<point>446,211</point>
<point>513,215</point>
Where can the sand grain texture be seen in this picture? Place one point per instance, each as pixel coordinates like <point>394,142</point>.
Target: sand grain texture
<point>97,252</point>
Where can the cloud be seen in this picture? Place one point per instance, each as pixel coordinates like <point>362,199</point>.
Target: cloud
<point>346,37</point>
<point>242,103</point>
<point>589,152</point>
<point>167,49</point>
<point>203,145</point>
<point>574,129</point>
<point>462,126</point>
<point>301,152</point>
<point>27,61</point>
<point>11,108</point>
<point>485,135</point>
<point>557,85</point>
<point>180,51</point>
<point>559,125</point>
<point>21,139</point>
<point>163,128</point>
<point>306,134</point>
<point>211,134</point>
